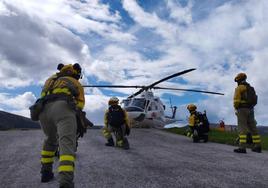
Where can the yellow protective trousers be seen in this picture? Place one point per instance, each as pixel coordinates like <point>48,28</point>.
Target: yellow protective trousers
<point>58,121</point>
<point>247,124</point>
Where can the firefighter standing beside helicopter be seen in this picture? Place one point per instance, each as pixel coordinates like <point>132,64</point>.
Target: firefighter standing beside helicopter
<point>245,99</point>
<point>116,121</point>
<point>64,97</point>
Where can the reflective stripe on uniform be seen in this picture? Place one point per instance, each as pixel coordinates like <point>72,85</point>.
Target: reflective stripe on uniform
<point>66,168</point>
<point>47,160</point>
<point>80,104</point>
<point>61,90</point>
<point>106,133</point>
<point>48,153</point>
<point>120,142</point>
<point>67,158</point>
<point>243,138</point>
<point>256,139</point>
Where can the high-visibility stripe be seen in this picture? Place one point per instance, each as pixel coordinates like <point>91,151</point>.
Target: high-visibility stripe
<point>67,158</point>
<point>66,168</point>
<point>256,141</point>
<point>106,134</point>
<point>47,160</point>
<point>256,136</point>
<point>48,153</point>
<point>61,90</point>
<point>80,104</point>
<point>120,143</point>
<point>243,141</point>
<point>242,136</point>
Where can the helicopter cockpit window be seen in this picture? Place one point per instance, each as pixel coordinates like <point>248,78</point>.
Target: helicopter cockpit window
<point>138,103</point>
<point>152,106</point>
<point>126,102</point>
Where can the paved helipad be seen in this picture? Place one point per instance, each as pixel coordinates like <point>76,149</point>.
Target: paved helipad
<point>156,159</point>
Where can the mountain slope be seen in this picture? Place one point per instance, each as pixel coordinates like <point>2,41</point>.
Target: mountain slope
<point>13,121</point>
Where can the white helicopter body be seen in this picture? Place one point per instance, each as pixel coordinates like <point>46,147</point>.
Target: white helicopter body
<point>147,110</point>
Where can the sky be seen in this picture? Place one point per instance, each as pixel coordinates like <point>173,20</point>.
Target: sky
<point>136,42</point>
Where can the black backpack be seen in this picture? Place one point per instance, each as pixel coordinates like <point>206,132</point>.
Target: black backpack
<point>202,117</point>
<point>116,116</point>
<point>251,96</point>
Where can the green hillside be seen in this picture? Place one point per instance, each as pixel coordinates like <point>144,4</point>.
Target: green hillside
<point>219,136</point>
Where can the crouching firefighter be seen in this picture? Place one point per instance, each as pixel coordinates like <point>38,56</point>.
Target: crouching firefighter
<point>198,124</point>
<point>116,121</point>
<point>63,100</point>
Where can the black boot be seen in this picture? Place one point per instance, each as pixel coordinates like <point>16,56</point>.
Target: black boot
<point>67,185</point>
<point>110,142</point>
<point>46,176</point>
<point>240,150</point>
<point>256,149</point>
<point>125,144</point>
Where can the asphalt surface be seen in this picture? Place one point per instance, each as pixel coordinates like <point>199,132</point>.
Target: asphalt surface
<point>156,159</point>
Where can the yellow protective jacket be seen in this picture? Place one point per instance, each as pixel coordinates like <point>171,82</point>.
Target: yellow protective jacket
<point>239,94</point>
<point>193,119</point>
<point>65,85</point>
<point>126,121</point>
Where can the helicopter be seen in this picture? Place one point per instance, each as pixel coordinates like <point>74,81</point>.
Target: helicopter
<point>146,110</point>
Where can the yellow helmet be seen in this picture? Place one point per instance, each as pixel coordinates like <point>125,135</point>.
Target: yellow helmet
<point>71,70</point>
<point>113,101</point>
<point>191,107</point>
<point>240,77</point>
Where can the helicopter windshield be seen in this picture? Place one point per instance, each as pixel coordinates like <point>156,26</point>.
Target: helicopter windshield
<point>126,102</point>
<point>138,102</point>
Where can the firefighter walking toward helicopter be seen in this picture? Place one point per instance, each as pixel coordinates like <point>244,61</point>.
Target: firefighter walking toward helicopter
<point>245,99</point>
<point>116,121</point>
<point>63,97</point>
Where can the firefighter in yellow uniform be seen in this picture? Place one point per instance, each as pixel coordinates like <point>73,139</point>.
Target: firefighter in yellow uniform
<point>193,121</point>
<point>116,121</point>
<point>63,95</point>
<point>245,99</point>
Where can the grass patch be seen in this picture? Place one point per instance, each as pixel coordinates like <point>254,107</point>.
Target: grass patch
<point>219,136</point>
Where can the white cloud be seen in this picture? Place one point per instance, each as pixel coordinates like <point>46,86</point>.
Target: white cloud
<point>18,104</point>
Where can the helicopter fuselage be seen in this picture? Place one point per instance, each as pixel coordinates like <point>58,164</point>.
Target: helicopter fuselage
<point>146,111</point>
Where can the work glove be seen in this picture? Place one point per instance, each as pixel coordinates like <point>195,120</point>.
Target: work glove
<point>82,123</point>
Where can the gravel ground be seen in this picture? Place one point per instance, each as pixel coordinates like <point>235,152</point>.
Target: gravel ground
<point>156,159</point>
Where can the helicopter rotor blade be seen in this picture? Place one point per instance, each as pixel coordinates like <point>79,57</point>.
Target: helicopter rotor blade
<point>114,86</point>
<point>191,90</point>
<point>159,81</point>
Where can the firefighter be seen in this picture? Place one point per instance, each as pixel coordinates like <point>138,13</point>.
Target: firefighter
<point>116,121</point>
<point>245,99</point>
<point>198,124</point>
<point>192,121</point>
<point>63,97</point>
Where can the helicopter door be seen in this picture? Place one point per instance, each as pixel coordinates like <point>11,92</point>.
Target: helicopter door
<point>153,111</point>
